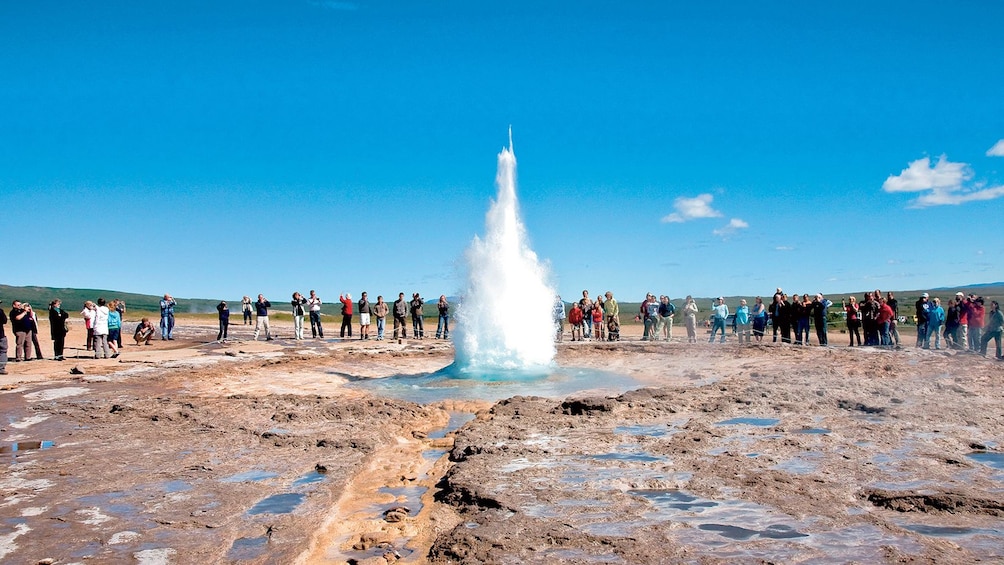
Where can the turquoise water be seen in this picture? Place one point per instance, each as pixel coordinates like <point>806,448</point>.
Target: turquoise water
<point>451,383</point>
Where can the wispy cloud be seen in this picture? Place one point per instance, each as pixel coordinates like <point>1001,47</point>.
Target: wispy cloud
<point>784,248</point>
<point>334,4</point>
<point>692,209</point>
<point>944,183</point>
<point>997,150</point>
<point>734,225</point>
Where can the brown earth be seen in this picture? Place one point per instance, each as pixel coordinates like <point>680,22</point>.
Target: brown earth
<point>192,451</point>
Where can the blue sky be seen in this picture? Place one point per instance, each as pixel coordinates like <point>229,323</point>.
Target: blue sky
<point>215,149</point>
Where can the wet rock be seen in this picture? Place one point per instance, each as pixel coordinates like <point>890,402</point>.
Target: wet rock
<point>950,502</point>
<point>419,434</point>
<point>76,371</point>
<point>46,561</point>
<point>230,354</point>
<point>396,514</point>
<point>859,407</point>
<point>586,406</point>
<point>370,540</point>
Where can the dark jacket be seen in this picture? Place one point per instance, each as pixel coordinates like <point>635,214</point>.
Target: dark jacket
<point>57,322</point>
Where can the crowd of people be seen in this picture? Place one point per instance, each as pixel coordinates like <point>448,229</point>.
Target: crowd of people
<point>965,323</point>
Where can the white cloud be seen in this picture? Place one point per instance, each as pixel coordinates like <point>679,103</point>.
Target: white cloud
<point>784,248</point>
<point>692,208</point>
<point>942,184</point>
<point>734,225</point>
<point>997,150</point>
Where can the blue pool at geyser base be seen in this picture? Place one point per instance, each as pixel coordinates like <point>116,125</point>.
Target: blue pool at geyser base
<point>453,383</point>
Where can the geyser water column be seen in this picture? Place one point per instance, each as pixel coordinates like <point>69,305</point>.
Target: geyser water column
<point>505,313</point>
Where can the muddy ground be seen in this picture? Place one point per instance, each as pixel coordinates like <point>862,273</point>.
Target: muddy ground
<point>198,452</point>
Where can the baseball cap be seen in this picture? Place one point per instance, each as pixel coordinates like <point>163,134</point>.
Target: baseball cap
<point>925,295</point>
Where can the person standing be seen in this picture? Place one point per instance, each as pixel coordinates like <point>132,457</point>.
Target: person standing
<point>120,307</point>
<point>612,312</point>
<point>88,315</point>
<point>114,328</point>
<point>962,335</point>
<point>57,327</point>
<point>597,315</point>
<point>101,330</point>
<point>558,315</point>
<point>922,317</point>
<point>882,321</point>
<point>890,299</point>
<point>759,314</point>
<point>167,305</point>
<point>246,309</point>
<point>801,311</point>
<point>976,313</point>
<point>853,320</point>
<point>587,313</point>
<point>776,313</point>
<point>575,320</point>
<point>443,327</point>
<point>297,303</point>
<point>819,308</point>
<point>3,342</point>
<point>380,310</point>
<point>314,303</point>
<point>993,330</point>
<point>21,324</point>
<point>261,320</point>
<point>346,300</point>
<point>935,317</point>
<point>417,322</point>
<point>743,322</point>
<point>224,316</point>
<point>719,313</point>
<point>400,312</point>
<point>869,319</point>
<point>33,322</point>
<point>951,330</point>
<point>365,311</point>
<point>666,313</point>
<point>650,314</point>
<point>690,311</point>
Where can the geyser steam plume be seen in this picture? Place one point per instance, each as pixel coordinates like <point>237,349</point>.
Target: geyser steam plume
<point>505,315</point>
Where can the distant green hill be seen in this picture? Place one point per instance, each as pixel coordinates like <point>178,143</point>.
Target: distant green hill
<point>74,298</point>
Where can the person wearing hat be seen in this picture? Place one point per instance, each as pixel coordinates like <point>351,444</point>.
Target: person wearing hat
<point>962,334</point>
<point>719,313</point>
<point>922,318</point>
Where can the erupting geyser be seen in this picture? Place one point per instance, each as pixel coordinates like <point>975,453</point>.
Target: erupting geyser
<point>505,315</point>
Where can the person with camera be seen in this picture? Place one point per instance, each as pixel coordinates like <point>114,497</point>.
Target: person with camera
<point>314,303</point>
<point>167,317</point>
<point>224,317</point>
<point>298,303</point>
<point>261,322</point>
<point>21,324</point>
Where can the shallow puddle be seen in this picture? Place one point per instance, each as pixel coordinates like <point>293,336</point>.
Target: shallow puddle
<point>26,446</point>
<point>655,430</point>
<point>310,478</point>
<point>249,477</point>
<point>244,549</point>
<point>820,431</point>
<point>759,422</point>
<point>988,458</point>
<point>277,504</point>
<point>457,420</point>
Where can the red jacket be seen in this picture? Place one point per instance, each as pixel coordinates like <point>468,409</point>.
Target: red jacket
<point>976,313</point>
<point>575,316</point>
<point>346,305</point>
<point>885,314</point>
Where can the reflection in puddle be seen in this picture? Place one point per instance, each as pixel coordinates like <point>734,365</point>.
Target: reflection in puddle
<point>774,531</point>
<point>309,478</point>
<point>26,446</point>
<point>621,456</point>
<point>676,499</point>
<point>656,430</point>
<point>277,504</point>
<point>411,497</point>
<point>249,477</point>
<point>244,549</point>
<point>761,422</point>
